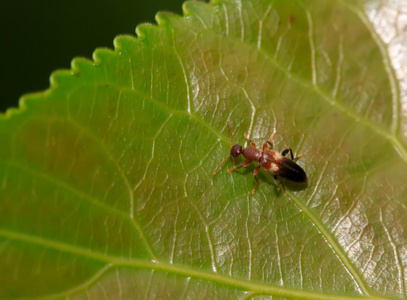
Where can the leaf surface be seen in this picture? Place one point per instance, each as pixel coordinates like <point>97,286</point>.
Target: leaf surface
<point>106,178</point>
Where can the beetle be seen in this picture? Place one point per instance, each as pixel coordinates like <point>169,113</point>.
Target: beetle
<point>278,164</point>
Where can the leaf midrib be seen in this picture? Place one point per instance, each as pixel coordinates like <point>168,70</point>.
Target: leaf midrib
<point>116,261</point>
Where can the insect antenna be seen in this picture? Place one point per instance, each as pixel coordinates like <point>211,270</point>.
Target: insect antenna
<point>231,145</point>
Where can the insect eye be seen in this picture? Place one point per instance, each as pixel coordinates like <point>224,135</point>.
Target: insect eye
<point>236,150</point>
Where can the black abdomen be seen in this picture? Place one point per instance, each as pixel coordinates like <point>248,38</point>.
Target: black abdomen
<point>290,170</point>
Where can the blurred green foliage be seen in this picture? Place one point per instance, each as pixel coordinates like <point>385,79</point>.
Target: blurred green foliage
<point>41,36</point>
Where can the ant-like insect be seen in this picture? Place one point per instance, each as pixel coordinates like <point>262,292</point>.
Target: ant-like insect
<point>278,164</point>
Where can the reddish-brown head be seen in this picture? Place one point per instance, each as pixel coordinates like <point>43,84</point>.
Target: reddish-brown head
<point>236,150</point>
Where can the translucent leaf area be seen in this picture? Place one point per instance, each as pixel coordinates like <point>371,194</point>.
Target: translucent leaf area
<point>106,179</point>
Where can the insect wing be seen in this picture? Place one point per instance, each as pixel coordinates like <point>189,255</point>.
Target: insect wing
<point>290,170</point>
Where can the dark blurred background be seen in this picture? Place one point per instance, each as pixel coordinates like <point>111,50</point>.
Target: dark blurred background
<point>41,36</point>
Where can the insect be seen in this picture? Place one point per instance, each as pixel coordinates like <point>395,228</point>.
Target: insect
<point>278,164</point>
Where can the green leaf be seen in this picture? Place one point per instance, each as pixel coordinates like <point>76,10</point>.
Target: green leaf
<point>106,180</point>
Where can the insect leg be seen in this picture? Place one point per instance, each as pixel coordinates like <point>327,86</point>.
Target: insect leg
<point>256,171</point>
<point>278,182</point>
<point>244,164</point>
<point>231,143</point>
<point>265,145</point>
<point>284,153</point>
<point>231,132</point>
<point>249,140</point>
<point>217,168</point>
<point>270,142</point>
